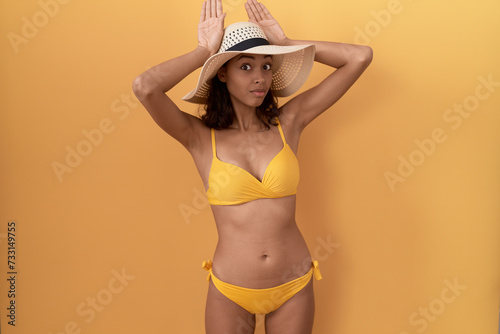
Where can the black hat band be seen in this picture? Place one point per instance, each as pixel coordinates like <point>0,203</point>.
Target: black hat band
<point>248,44</point>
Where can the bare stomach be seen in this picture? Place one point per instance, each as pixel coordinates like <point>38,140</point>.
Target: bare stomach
<point>260,245</point>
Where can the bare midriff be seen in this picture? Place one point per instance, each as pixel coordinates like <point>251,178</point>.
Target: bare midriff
<point>260,245</point>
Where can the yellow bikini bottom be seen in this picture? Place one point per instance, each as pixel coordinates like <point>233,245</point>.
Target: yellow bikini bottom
<point>262,301</point>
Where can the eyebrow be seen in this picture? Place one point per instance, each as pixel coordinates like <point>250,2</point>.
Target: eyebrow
<point>252,57</point>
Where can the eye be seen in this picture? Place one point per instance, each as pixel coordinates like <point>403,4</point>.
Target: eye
<point>246,67</point>
<point>267,67</point>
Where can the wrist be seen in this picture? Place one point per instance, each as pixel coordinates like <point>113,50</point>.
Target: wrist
<point>285,41</point>
<point>203,52</point>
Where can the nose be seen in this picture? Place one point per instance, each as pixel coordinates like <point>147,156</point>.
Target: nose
<point>259,76</point>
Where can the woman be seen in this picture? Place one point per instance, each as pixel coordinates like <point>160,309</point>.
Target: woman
<point>244,149</point>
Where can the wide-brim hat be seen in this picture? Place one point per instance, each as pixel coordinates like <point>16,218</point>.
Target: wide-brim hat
<point>291,65</point>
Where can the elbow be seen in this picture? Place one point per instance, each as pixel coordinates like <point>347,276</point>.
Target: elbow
<point>139,87</point>
<point>366,55</point>
<point>360,56</point>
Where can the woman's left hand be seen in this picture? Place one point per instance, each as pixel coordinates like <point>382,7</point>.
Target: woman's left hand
<point>258,13</point>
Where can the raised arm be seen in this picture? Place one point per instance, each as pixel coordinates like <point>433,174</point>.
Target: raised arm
<point>349,60</point>
<point>150,87</point>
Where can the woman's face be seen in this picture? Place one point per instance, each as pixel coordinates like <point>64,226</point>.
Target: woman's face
<point>248,78</point>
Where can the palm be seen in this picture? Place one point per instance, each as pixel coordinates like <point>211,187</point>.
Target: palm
<point>210,34</point>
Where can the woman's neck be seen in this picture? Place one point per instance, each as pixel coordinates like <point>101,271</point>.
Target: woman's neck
<point>246,119</point>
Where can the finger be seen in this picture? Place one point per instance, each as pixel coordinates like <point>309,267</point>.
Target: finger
<point>265,12</point>
<point>213,10</point>
<point>202,14</point>
<point>219,8</point>
<point>260,8</point>
<point>253,6</point>
<point>250,13</point>
<point>207,9</point>
<point>209,6</point>
<point>222,20</point>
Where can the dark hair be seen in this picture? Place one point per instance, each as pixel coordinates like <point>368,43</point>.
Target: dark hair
<point>219,113</point>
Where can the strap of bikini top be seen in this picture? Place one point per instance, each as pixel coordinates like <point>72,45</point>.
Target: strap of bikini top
<point>281,131</point>
<point>213,140</point>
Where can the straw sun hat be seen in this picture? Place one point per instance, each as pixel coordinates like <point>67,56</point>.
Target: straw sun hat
<point>290,65</point>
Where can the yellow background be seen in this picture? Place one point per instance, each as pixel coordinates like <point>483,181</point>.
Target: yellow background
<point>133,203</point>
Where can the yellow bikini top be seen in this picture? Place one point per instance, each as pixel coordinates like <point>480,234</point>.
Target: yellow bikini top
<point>229,184</point>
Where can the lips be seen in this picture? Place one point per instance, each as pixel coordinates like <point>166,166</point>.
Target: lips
<point>259,92</point>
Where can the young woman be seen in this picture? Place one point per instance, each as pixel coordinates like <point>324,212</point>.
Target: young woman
<point>244,148</point>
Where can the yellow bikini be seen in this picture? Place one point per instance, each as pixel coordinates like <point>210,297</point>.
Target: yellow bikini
<point>229,184</point>
<point>262,301</point>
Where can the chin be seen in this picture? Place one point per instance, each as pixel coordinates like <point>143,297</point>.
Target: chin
<point>258,102</point>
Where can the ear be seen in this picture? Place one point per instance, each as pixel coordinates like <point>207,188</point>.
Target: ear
<point>221,74</point>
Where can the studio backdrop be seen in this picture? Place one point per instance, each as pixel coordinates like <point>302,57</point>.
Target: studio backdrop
<point>104,221</point>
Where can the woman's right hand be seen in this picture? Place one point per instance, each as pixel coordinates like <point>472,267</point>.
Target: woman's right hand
<point>211,26</point>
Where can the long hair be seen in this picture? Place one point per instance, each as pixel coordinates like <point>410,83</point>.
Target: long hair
<point>219,113</point>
